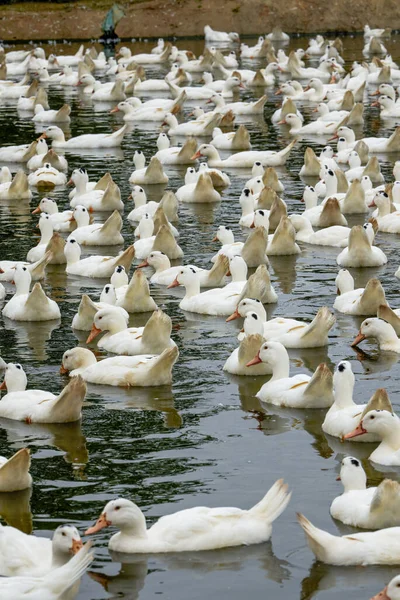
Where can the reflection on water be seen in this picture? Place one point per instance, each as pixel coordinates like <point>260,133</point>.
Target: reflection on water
<point>205,440</point>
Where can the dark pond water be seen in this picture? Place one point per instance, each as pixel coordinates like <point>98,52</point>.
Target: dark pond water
<point>197,442</point>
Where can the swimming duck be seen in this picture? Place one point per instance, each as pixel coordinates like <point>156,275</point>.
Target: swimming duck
<point>17,189</point>
<point>83,319</point>
<point>377,547</point>
<point>14,472</point>
<point>46,232</point>
<point>29,306</point>
<point>360,252</point>
<point>95,199</point>
<point>153,338</point>
<point>124,371</point>
<point>336,235</point>
<point>211,35</point>
<point>344,414</point>
<point>38,406</point>
<point>165,274</point>
<point>153,174</point>
<point>202,191</point>
<point>383,332</point>
<point>300,391</point>
<point>61,221</point>
<point>388,221</point>
<point>222,301</point>
<point>97,265</point>
<point>52,116</point>
<point>244,159</point>
<point>30,555</point>
<point>89,140</point>
<point>46,177</point>
<point>142,207</point>
<point>362,301</point>
<point>248,348</point>
<point>135,297</point>
<point>386,425</point>
<point>220,527</point>
<point>107,234</point>
<point>176,155</point>
<point>233,140</point>
<point>367,508</point>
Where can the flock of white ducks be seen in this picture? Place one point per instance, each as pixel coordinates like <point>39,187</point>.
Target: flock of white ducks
<point>145,356</point>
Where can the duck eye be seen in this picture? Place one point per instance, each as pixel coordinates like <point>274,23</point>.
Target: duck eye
<point>255,317</point>
<point>372,417</point>
<point>117,507</point>
<point>355,462</point>
<point>100,318</point>
<point>311,189</point>
<point>24,268</point>
<point>18,366</point>
<point>341,367</point>
<point>261,212</point>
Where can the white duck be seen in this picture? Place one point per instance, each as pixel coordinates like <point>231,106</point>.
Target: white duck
<point>222,301</point>
<point>107,234</point>
<point>30,555</point>
<point>46,231</point>
<point>46,177</point>
<point>97,265</point>
<point>53,586</point>
<point>165,274</point>
<point>388,222</point>
<point>344,414</point>
<point>215,527</point>
<point>336,235</point>
<point>300,391</point>
<point>88,140</point>
<point>242,160</point>
<point>38,406</point>
<point>376,547</point>
<point>97,198</point>
<point>386,425</point>
<point>250,345</point>
<point>153,174</point>
<point>124,371</point>
<point>383,332</point>
<point>153,338</point>
<point>360,251</point>
<point>52,116</point>
<point>200,192</point>
<point>366,508</point>
<point>14,472</point>
<point>29,306</point>
<point>61,221</point>
<point>17,189</point>
<point>360,301</point>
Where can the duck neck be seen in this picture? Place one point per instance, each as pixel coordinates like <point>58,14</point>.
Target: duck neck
<point>58,558</point>
<point>192,288</point>
<point>80,186</point>
<point>391,435</point>
<point>343,391</point>
<point>280,368</point>
<point>163,264</point>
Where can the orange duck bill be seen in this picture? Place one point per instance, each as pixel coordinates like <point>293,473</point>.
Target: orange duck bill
<point>175,283</point>
<point>256,360</point>
<point>101,523</point>
<point>382,595</point>
<point>233,316</point>
<point>63,370</point>
<point>356,432</point>
<point>94,332</point>
<point>358,339</point>
<point>76,546</point>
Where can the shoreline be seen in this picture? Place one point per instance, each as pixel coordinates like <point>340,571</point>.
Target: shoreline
<point>150,19</point>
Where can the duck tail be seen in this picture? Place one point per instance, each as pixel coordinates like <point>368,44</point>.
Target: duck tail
<point>356,115</point>
<point>274,502</point>
<point>126,257</point>
<point>157,332</point>
<point>68,405</point>
<point>14,474</point>
<point>388,315</point>
<point>319,391</point>
<point>219,270</point>
<point>103,182</point>
<point>259,105</point>
<point>63,112</point>
<point>320,326</point>
<point>280,157</point>
<point>83,320</point>
<point>317,539</point>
